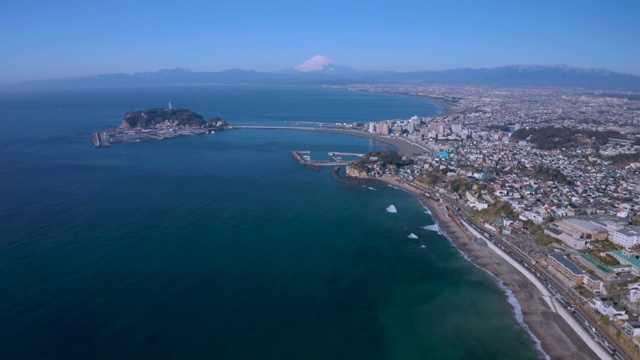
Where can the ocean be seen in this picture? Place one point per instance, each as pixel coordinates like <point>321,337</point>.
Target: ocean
<point>222,246</point>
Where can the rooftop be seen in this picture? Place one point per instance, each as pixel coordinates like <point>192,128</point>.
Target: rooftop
<point>568,264</point>
<point>633,261</point>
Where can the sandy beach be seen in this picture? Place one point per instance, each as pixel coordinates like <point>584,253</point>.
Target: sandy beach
<point>558,340</point>
<point>447,107</point>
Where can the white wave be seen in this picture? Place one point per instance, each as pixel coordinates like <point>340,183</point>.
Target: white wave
<point>371,188</point>
<point>433,227</point>
<point>423,246</point>
<point>517,310</point>
<point>392,209</point>
<point>412,236</point>
<point>395,187</point>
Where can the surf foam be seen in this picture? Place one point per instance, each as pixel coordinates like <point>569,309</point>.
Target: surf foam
<point>412,236</point>
<point>512,300</point>
<point>433,227</point>
<point>517,310</point>
<point>392,209</point>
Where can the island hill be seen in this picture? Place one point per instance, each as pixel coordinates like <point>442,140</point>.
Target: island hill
<point>139,126</point>
<point>154,118</point>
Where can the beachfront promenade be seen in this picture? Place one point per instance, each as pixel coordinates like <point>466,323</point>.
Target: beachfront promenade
<point>405,147</point>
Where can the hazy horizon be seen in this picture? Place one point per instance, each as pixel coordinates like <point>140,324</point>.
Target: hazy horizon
<point>67,39</point>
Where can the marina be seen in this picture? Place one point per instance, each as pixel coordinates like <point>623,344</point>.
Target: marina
<point>304,158</point>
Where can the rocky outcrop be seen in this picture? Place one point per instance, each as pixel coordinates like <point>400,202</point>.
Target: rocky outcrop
<point>356,172</point>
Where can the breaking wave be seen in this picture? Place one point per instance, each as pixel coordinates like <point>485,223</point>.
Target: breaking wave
<point>392,209</point>
<point>513,301</point>
<point>517,310</point>
<point>433,227</point>
<point>412,236</point>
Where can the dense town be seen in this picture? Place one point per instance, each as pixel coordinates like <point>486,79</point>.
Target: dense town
<point>554,172</point>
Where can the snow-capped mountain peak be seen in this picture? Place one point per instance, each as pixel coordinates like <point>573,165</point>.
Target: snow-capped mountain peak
<point>316,63</point>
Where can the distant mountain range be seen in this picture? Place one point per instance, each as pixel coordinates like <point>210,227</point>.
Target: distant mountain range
<point>320,70</point>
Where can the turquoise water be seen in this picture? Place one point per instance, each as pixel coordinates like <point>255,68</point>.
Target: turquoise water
<point>222,246</point>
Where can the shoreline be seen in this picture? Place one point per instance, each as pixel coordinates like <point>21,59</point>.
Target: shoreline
<point>448,108</point>
<point>547,328</point>
<point>405,147</point>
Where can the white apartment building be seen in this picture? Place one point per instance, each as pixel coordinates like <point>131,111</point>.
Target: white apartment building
<point>626,237</point>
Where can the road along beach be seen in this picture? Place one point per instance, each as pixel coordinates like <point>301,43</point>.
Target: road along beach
<point>556,337</point>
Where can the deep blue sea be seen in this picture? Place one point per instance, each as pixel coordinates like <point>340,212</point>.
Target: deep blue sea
<point>222,246</point>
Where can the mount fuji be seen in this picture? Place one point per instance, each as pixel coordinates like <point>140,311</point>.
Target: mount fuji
<point>320,70</point>
<point>321,63</point>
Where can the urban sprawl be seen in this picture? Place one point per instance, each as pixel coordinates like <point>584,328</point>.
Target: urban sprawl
<point>553,172</point>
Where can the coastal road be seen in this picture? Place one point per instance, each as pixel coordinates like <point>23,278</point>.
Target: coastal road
<point>596,339</point>
<point>550,297</point>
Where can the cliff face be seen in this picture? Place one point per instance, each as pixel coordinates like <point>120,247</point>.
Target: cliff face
<point>353,171</point>
<point>153,117</point>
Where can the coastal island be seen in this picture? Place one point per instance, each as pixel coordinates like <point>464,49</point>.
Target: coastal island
<point>139,126</point>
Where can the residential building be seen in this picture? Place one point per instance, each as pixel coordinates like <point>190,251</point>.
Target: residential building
<point>574,273</point>
<point>628,257</point>
<point>626,237</point>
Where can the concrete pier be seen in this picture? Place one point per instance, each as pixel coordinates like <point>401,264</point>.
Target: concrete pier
<point>100,140</point>
<point>302,161</point>
<point>303,157</point>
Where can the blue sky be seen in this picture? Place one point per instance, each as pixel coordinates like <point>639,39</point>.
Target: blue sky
<point>55,39</point>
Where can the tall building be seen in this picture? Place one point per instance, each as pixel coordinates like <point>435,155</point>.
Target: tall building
<point>456,128</point>
<point>437,128</point>
<point>383,128</point>
<point>372,127</point>
<point>411,126</point>
<point>414,123</point>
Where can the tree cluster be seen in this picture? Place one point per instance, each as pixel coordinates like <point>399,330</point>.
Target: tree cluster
<point>551,174</point>
<point>551,138</point>
<point>387,158</point>
<point>623,159</point>
<point>153,117</point>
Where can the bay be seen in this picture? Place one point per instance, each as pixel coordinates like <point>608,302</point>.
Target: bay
<point>222,246</point>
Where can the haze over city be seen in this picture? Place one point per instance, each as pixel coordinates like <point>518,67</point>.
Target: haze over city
<point>48,40</point>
